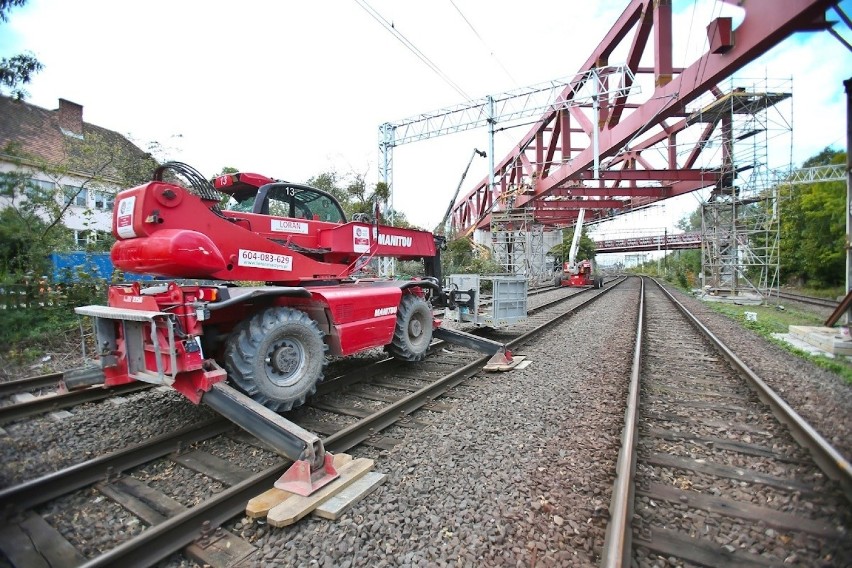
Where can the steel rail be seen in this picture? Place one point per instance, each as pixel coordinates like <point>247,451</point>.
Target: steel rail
<point>164,539</point>
<point>827,458</point>
<point>47,487</point>
<point>824,302</point>
<point>618,542</point>
<point>56,402</point>
<point>30,383</point>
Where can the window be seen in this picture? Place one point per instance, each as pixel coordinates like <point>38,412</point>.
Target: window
<point>303,203</point>
<point>86,238</point>
<point>76,195</point>
<point>39,188</point>
<point>242,201</point>
<point>80,239</point>
<point>103,200</point>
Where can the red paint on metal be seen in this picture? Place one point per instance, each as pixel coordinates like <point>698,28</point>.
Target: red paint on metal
<point>560,163</point>
<point>720,34</point>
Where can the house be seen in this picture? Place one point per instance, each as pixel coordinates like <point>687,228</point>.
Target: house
<point>82,165</point>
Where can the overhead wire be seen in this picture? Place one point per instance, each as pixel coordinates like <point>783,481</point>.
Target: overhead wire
<point>390,27</point>
<point>487,47</point>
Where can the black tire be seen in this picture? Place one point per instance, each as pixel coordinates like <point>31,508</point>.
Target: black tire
<point>276,357</point>
<point>557,280</point>
<point>413,332</point>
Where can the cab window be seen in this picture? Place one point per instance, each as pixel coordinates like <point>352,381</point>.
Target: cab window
<point>302,203</point>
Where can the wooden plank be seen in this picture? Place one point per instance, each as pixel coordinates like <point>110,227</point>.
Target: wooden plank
<point>296,506</point>
<point>213,466</point>
<point>58,552</point>
<point>668,543</point>
<point>19,549</point>
<point>336,506</point>
<point>259,506</point>
<point>720,470</point>
<point>749,511</point>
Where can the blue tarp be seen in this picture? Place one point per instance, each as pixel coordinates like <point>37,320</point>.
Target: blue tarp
<point>74,266</point>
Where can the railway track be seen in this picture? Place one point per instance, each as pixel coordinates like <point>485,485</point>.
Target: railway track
<point>32,396</point>
<point>352,408</point>
<point>715,468</point>
<point>822,302</point>
<point>49,381</point>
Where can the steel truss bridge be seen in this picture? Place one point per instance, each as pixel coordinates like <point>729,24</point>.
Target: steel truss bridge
<point>642,152</point>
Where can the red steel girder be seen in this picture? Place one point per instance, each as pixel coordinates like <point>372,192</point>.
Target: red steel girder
<point>652,175</point>
<point>556,206</point>
<point>557,160</point>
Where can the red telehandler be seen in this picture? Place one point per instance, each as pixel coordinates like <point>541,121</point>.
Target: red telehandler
<point>195,328</point>
<point>575,273</point>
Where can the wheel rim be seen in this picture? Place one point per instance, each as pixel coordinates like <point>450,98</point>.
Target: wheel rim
<point>284,362</point>
<point>415,329</point>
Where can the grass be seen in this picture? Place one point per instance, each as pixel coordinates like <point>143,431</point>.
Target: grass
<point>771,320</point>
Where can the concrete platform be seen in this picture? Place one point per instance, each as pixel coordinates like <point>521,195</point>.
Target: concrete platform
<point>825,339</point>
<point>736,299</point>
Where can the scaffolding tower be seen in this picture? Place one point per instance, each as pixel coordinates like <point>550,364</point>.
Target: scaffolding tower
<point>517,243</point>
<point>751,135</point>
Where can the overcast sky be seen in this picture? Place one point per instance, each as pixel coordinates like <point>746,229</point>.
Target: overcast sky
<point>293,89</point>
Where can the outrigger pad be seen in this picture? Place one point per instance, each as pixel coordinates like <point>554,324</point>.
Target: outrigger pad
<point>503,361</point>
<point>300,480</point>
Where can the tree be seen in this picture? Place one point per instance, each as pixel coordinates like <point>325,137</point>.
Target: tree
<point>352,193</point>
<point>691,222</point>
<point>38,195</point>
<point>463,256</point>
<point>25,238</point>
<point>585,249</point>
<point>813,228</point>
<point>18,70</point>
